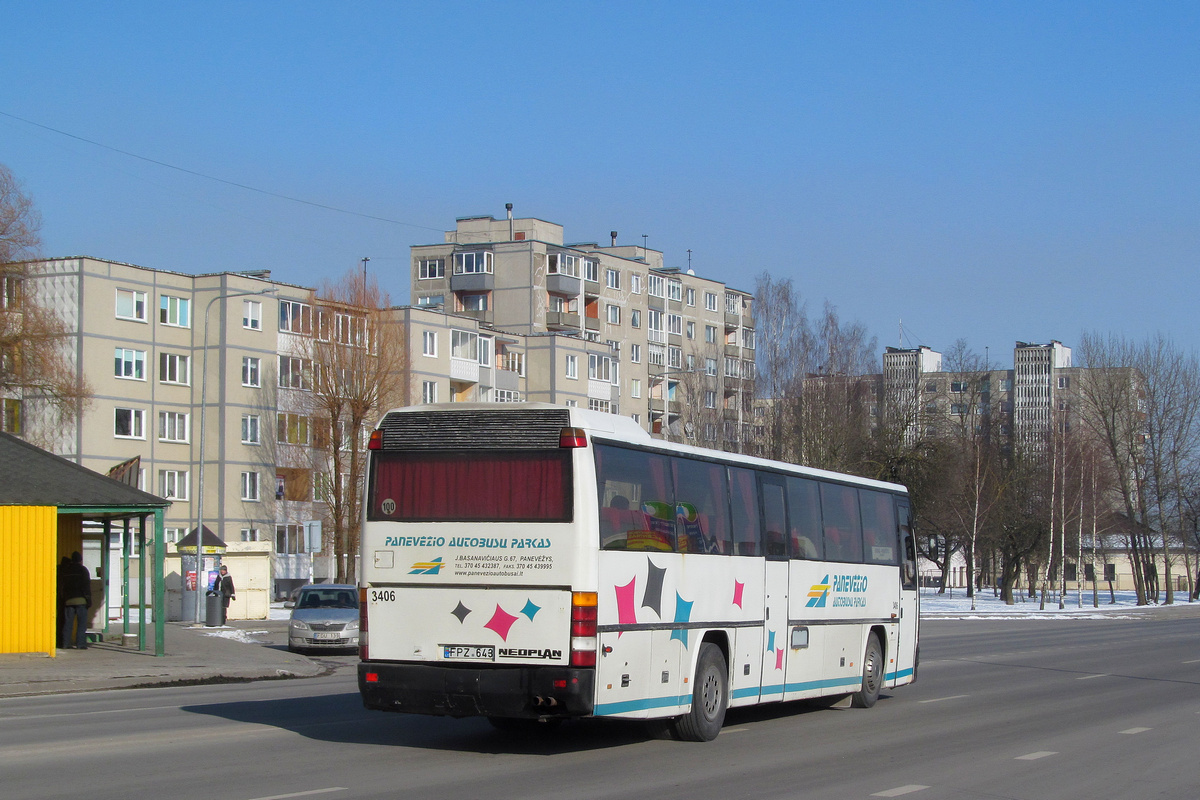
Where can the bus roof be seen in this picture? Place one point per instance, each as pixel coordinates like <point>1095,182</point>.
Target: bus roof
<point>616,428</point>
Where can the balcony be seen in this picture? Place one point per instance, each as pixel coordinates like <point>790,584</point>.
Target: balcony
<point>474,282</point>
<point>600,390</point>
<point>563,284</point>
<point>562,319</point>
<point>464,370</point>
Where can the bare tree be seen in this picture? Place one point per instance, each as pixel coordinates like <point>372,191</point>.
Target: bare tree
<point>360,369</point>
<point>781,326</point>
<point>36,366</point>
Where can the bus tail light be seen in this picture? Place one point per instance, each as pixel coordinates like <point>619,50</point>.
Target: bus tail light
<point>376,440</point>
<point>583,629</point>
<point>362,623</point>
<point>572,437</point>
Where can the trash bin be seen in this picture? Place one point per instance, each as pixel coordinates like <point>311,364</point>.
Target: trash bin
<point>212,609</point>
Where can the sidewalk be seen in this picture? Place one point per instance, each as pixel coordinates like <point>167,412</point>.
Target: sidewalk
<point>243,649</point>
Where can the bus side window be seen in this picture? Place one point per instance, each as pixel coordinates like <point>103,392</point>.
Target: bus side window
<point>743,497</point>
<point>702,501</point>
<point>908,567</point>
<point>638,500</point>
<point>878,523</point>
<point>806,539</point>
<point>774,507</point>
<point>843,531</point>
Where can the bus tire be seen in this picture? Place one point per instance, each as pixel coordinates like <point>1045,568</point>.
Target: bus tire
<point>872,678</point>
<point>710,698</point>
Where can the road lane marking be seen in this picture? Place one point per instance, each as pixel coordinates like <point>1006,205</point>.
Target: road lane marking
<point>1089,677</point>
<point>734,730</point>
<point>1193,661</point>
<point>309,793</point>
<point>940,699</point>
<point>1036,756</point>
<point>1135,730</point>
<point>901,790</point>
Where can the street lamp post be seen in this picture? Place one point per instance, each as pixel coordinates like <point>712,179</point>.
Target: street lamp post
<point>203,415</point>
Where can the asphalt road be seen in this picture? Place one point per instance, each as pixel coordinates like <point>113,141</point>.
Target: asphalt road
<point>1002,709</point>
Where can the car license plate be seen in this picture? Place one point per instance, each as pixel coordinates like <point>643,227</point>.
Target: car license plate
<point>468,652</point>
<point>317,635</point>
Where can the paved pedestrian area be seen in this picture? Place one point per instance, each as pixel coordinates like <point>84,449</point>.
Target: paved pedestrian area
<point>241,650</point>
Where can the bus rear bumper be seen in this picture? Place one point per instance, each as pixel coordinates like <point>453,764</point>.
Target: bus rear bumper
<point>457,691</point>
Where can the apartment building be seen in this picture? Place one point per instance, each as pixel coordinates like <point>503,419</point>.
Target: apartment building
<point>610,327</point>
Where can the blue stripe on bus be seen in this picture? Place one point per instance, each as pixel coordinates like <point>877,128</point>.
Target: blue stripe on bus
<point>737,694</point>
<point>639,705</point>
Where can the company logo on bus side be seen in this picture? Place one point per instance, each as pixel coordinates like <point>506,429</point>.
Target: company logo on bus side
<point>433,567</point>
<point>818,593</point>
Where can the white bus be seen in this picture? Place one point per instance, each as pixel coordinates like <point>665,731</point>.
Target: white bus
<point>532,562</point>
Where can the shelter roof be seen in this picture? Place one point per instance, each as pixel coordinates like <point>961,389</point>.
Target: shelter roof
<point>32,476</point>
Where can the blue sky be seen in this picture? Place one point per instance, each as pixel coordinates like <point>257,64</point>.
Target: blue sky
<point>991,171</point>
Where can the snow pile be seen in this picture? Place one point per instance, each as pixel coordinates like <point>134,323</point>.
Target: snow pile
<point>956,605</point>
<point>238,635</point>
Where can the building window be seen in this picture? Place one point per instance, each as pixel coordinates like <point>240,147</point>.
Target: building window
<point>710,334</point>
<point>612,278</point>
<point>173,311</point>
<point>292,428</point>
<point>487,347</point>
<point>635,353</point>
<point>690,296</point>
<point>173,484</point>
<point>507,396</point>
<point>657,356</point>
<point>250,375</point>
<point>294,373</point>
<point>656,286</point>
<point>474,302</point>
<point>635,283</point>
<point>675,324</point>
<point>250,429</point>
<point>252,315</point>
<point>429,392</point>
<point>131,305</point>
<point>931,386</point>
<point>429,343</point>
<point>573,367</point>
<point>562,264</point>
<point>591,270</point>
<point>249,534</point>
<point>130,364</point>
<point>635,318</point>
<point>172,426</point>
<point>600,405</point>
<point>173,535</point>
<point>674,290</point>
<point>733,368</point>
<point>571,404</point>
<point>710,301</point>
<point>12,416</point>
<point>614,314</point>
<point>289,539</point>
<point>691,330</point>
<point>295,317</point>
<point>710,398</point>
<point>464,345</point>
<point>431,268</point>
<point>710,367</point>
<point>958,387</point>
<point>250,487</point>
<point>129,423</point>
<point>473,263</point>
<point>1064,382</point>
<point>635,388</point>
<point>173,369</point>
<point>733,304</point>
<point>674,357</point>
<point>431,300</point>
<point>600,368</point>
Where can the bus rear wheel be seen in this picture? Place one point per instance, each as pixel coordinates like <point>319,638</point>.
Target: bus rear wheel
<point>872,679</point>
<point>710,698</point>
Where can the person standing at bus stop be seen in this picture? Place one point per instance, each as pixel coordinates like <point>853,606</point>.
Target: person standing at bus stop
<point>77,599</point>
<point>225,587</point>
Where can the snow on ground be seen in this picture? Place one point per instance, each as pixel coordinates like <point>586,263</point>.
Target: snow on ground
<point>237,634</point>
<point>956,605</point>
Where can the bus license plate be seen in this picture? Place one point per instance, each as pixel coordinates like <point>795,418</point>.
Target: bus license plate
<point>468,652</point>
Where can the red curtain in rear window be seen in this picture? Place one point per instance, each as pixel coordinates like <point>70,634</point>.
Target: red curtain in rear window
<point>476,486</point>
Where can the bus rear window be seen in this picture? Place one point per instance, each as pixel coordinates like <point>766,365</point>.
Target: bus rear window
<point>471,486</point>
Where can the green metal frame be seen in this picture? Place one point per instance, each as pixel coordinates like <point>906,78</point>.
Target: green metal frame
<point>159,591</point>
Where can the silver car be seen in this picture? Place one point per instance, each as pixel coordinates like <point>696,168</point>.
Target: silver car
<point>324,617</point>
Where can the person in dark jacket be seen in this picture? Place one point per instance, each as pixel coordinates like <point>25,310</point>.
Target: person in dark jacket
<point>225,587</point>
<point>77,599</point>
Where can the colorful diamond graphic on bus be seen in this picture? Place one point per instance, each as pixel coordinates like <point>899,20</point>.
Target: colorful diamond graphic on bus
<point>818,594</point>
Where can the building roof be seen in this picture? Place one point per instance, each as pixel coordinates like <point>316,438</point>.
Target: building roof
<point>35,477</point>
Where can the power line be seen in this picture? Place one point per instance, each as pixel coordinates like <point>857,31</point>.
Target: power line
<point>194,173</point>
